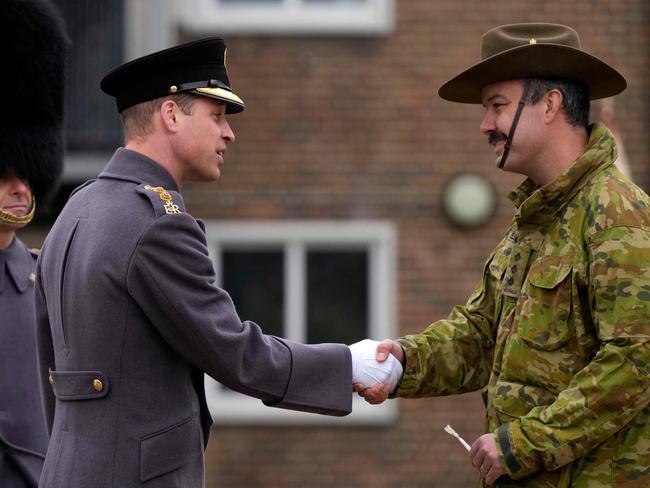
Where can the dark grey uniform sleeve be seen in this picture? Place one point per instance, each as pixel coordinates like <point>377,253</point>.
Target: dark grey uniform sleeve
<point>45,351</point>
<point>172,279</point>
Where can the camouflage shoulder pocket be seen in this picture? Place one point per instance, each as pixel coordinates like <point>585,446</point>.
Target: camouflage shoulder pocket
<point>545,303</point>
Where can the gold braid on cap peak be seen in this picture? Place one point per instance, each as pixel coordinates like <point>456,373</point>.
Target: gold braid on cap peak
<point>9,218</point>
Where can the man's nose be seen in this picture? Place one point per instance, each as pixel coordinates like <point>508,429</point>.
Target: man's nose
<point>487,124</point>
<point>228,133</point>
<point>20,187</point>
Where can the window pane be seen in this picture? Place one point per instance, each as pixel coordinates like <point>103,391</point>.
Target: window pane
<point>337,296</point>
<point>255,281</point>
<point>96,31</point>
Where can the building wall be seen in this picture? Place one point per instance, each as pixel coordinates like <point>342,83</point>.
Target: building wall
<point>352,127</point>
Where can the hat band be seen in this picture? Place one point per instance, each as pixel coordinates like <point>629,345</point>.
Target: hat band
<point>199,84</point>
<point>9,218</point>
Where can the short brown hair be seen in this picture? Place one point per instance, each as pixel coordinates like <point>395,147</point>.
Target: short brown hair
<point>575,97</point>
<point>137,118</point>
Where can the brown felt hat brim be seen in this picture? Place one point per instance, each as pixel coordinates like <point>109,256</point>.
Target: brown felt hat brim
<point>535,61</point>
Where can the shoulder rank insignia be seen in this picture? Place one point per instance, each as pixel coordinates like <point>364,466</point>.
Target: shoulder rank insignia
<point>163,200</point>
<point>169,206</point>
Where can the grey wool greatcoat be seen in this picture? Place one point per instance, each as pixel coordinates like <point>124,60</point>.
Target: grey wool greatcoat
<point>129,318</point>
<point>23,435</point>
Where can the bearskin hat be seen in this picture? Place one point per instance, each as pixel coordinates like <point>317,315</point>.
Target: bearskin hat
<point>31,129</point>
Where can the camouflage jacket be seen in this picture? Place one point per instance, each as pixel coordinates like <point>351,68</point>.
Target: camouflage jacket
<point>556,333</point>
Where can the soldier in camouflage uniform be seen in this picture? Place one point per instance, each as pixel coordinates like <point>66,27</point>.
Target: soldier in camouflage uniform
<point>556,332</point>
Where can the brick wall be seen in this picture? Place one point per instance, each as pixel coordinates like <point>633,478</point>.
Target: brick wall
<point>348,128</point>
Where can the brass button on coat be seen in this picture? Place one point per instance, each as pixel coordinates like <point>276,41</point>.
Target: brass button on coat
<point>98,385</point>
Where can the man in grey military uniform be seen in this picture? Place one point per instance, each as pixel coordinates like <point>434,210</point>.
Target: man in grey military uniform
<point>23,436</point>
<point>129,317</point>
<point>31,159</point>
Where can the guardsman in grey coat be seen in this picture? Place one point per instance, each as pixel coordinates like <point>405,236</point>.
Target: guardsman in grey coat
<point>31,159</point>
<point>23,436</point>
<point>129,316</point>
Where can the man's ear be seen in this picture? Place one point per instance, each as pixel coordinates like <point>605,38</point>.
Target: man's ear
<point>553,100</point>
<point>169,115</point>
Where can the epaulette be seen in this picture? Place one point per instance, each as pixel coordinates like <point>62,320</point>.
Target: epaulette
<point>165,202</point>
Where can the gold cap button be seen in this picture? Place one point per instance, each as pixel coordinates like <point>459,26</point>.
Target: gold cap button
<point>51,380</point>
<point>173,89</point>
<point>98,385</point>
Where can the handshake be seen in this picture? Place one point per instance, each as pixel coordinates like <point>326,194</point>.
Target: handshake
<point>367,371</point>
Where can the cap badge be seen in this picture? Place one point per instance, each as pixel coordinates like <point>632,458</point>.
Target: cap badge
<point>532,40</point>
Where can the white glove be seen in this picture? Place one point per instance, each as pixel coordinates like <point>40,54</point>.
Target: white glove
<point>368,371</point>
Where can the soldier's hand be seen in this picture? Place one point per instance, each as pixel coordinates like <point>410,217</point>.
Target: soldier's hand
<point>485,458</point>
<point>389,346</point>
<point>379,393</point>
<point>374,395</point>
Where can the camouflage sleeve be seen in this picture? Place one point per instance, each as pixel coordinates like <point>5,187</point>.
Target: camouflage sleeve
<point>615,386</point>
<point>453,355</point>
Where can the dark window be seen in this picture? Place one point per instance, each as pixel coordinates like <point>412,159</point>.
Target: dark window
<point>255,281</point>
<point>96,31</point>
<point>311,278</point>
<point>337,296</point>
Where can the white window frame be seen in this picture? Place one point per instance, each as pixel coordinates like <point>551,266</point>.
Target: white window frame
<point>295,237</point>
<point>372,17</point>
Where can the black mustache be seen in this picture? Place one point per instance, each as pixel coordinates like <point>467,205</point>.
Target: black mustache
<point>494,137</point>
